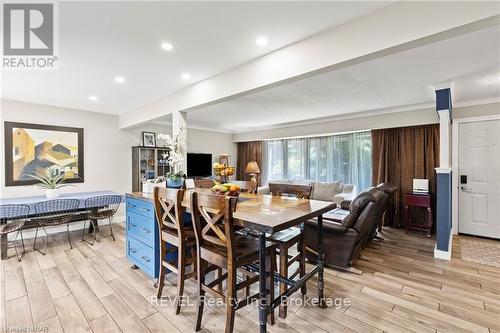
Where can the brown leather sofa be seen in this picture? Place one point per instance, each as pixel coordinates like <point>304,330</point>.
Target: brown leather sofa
<point>344,241</point>
<point>383,194</point>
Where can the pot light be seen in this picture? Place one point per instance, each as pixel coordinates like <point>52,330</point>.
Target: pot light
<point>185,76</point>
<point>261,41</point>
<point>119,79</point>
<point>167,46</point>
<point>93,98</point>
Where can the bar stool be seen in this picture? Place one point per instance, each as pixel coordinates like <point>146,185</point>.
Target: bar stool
<point>53,213</point>
<point>13,218</point>
<point>290,237</point>
<point>175,236</point>
<point>101,207</point>
<point>218,246</point>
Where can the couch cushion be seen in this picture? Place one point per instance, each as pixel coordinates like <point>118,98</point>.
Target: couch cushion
<point>326,191</point>
<point>356,207</point>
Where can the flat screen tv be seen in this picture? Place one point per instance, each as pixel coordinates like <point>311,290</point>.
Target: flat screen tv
<point>199,165</point>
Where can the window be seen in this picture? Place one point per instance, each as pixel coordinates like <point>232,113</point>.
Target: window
<point>345,157</point>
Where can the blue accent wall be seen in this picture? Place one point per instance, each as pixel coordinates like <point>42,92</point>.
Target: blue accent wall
<point>443,214</point>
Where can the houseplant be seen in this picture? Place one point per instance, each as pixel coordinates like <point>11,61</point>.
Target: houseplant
<point>51,183</point>
<point>177,146</point>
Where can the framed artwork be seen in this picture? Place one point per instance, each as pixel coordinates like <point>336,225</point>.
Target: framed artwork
<point>149,139</point>
<point>45,149</point>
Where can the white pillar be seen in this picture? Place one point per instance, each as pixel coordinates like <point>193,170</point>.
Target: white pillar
<point>444,138</point>
<point>179,126</point>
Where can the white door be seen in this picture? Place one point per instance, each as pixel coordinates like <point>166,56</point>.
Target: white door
<point>479,178</point>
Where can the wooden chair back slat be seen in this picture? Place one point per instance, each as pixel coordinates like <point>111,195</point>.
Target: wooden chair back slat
<point>168,208</point>
<point>291,190</point>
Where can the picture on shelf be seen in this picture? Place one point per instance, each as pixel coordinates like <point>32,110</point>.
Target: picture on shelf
<point>149,139</point>
<point>42,149</point>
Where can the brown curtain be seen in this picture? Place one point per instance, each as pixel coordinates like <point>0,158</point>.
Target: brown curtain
<point>401,154</point>
<point>247,152</point>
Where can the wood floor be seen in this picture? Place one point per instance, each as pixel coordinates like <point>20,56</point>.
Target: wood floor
<point>402,289</point>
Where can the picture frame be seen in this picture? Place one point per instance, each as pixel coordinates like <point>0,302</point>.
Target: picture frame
<point>149,139</point>
<point>46,149</point>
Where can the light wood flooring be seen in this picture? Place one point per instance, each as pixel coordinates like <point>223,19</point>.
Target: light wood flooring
<point>402,289</point>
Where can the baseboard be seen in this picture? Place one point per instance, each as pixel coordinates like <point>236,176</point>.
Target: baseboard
<point>445,255</point>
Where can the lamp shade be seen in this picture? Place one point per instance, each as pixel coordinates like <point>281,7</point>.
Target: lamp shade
<point>252,167</point>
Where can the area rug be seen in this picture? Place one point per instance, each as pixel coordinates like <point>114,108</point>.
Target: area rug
<point>481,251</point>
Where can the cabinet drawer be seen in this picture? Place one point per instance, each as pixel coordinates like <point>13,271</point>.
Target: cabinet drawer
<point>418,200</point>
<point>141,255</point>
<point>141,227</point>
<point>140,207</point>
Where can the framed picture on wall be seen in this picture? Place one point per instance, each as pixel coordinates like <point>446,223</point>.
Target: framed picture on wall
<point>149,139</point>
<point>44,149</point>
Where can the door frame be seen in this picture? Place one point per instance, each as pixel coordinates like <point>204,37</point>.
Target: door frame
<point>454,163</point>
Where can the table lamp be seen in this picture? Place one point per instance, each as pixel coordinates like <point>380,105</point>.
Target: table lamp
<point>252,169</point>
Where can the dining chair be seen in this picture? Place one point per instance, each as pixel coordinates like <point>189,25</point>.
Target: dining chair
<point>218,246</point>
<point>102,207</point>
<point>203,183</point>
<point>290,237</point>
<point>175,236</point>
<point>245,185</point>
<point>12,219</point>
<point>53,213</point>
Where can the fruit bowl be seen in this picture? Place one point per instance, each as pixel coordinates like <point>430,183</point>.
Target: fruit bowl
<point>226,189</point>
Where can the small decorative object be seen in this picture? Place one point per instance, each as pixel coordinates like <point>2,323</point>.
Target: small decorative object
<point>226,189</point>
<point>253,170</point>
<point>149,139</point>
<point>149,185</point>
<point>177,147</point>
<point>51,184</point>
<point>45,149</point>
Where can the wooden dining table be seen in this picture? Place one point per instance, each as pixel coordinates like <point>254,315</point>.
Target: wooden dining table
<point>267,214</point>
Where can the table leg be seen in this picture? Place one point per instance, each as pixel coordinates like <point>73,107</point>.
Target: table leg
<point>321,263</point>
<point>3,244</point>
<point>262,283</point>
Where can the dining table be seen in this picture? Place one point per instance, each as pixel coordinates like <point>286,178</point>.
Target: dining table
<point>267,214</point>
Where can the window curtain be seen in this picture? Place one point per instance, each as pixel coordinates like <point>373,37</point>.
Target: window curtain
<point>344,157</point>
<point>247,152</point>
<point>400,155</point>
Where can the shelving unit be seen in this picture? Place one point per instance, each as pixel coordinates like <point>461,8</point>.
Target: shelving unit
<point>148,163</point>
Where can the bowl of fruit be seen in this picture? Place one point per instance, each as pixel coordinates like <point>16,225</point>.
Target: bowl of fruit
<point>226,189</point>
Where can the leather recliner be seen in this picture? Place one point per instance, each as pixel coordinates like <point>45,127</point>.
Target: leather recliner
<point>383,194</point>
<point>344,241</point>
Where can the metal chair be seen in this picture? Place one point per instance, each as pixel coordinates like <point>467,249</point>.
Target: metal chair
<point>100,208</point>
<point>12,218</point>
<point>53,213</point>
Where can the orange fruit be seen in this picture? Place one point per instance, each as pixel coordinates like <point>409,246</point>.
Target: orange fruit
<point>233,188</point>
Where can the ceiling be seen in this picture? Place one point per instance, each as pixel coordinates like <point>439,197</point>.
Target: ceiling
<point>403,80</point>
<point>100,40</point>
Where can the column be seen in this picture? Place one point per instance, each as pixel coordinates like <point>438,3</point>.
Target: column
<point>444,177</point>
<point>179,127</point>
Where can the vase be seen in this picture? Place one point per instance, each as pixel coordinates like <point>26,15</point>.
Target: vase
<point>52,193</point>
<point>175,183</point>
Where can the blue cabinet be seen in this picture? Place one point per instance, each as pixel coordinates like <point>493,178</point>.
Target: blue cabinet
<point>142,235</point>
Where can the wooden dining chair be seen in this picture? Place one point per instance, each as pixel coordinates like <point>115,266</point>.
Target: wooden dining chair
<point>218,246</point>
<point>175,236</point>
<point>245,185</point>
<point>290,237</point>
<point>203,183</point>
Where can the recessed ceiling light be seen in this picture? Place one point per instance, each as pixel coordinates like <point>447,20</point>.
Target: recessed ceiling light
<point>167,46</point>
<point>93,98</point>
<point>261,41</point>
<point>185,76</point>
<point>119,79</point>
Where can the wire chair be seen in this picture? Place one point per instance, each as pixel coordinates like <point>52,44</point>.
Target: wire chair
<point>13,218</point>
<point>53,213</point>
<point>100,208</point>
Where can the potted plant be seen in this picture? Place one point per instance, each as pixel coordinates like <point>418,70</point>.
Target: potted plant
<point>51,184</point>
<point>176,146</point>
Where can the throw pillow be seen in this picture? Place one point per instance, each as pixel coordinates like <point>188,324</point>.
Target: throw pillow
<point>326,191</point>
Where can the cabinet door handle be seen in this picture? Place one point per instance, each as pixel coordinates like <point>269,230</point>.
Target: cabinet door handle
<point>145,209</point>
<point>146,259</point>
<point>132,205</point>
<point>145,231</point>
<point>133,250</point>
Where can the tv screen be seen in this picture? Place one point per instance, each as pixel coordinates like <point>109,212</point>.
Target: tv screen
<point>199,165</point>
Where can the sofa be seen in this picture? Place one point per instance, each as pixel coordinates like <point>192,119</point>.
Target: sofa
<point>325,191</point>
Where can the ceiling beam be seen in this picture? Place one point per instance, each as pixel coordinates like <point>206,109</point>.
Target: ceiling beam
<point>391,29</point>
